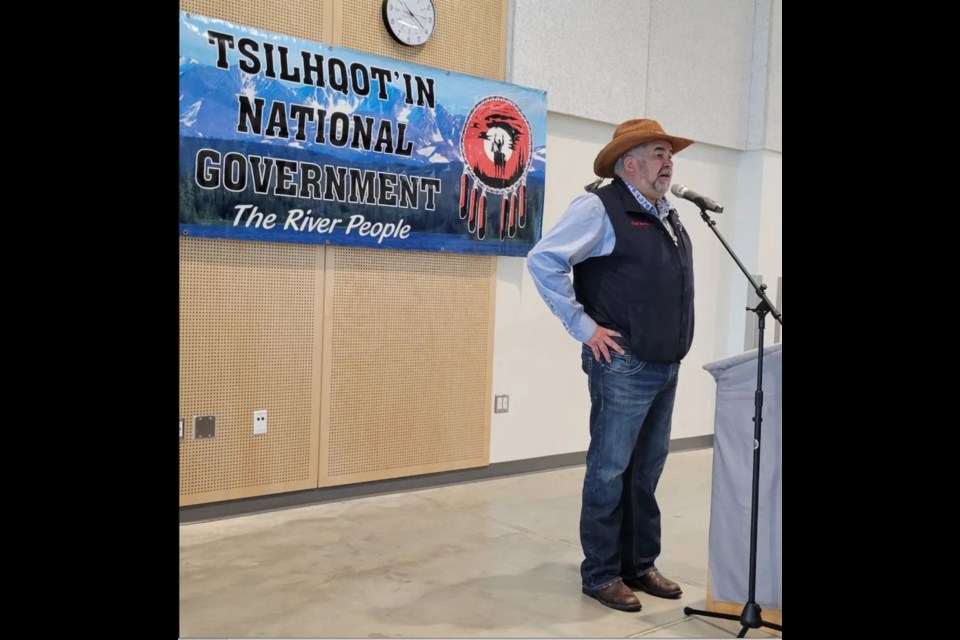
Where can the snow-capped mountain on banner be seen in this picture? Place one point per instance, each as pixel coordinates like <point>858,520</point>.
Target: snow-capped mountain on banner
<point>209,104</point>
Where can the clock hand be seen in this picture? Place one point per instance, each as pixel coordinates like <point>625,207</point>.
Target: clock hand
<point>407,9</point>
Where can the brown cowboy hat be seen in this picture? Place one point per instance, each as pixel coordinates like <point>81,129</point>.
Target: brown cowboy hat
<point>629,135</point>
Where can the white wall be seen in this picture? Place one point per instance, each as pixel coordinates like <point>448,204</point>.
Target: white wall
<point>755,231</point>
<point>771,230</point>
<point>773,138</point>
<point>698,70</point>
<point>589,55</point>
<point>535,360</point>
<point>711,68</point>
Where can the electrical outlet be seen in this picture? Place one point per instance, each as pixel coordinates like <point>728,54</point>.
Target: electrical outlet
<point>260,421</point>
<point>501,404</point>
<point>204,426</point>
<point>181,428</point>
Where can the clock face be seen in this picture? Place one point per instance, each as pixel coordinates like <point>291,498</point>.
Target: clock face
<point>410,22</point>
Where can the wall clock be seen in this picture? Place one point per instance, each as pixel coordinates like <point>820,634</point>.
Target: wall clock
<point>409,22</point>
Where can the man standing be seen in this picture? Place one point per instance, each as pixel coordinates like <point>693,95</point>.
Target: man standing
<point>631,305</point>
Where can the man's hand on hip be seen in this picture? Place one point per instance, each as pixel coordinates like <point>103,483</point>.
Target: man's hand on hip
<point>602,341</point>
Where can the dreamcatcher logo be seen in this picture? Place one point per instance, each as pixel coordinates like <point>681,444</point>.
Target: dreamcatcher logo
<point>496,146</point>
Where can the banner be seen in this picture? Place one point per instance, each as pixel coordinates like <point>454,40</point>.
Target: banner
<point>284,140</point>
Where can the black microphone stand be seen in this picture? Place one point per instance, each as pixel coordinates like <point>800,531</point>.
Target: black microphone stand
<point>750,618</point>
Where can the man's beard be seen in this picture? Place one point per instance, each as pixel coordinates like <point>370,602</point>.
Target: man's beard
<point>661,185</point>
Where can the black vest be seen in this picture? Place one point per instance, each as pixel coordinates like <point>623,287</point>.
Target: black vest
<point>644,289</point>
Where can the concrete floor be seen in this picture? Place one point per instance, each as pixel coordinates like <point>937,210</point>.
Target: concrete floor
<point>491,559</point>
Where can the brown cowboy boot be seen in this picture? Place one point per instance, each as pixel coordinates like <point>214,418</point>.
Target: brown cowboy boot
<point>654,583</point>
<point>615,596</point>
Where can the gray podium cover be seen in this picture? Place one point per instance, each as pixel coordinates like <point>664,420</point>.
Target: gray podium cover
<point>733,479</point>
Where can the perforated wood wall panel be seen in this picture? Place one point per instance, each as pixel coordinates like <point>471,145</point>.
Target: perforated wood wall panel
<point>387,373</point>
<point>408,354</point>
<point>296,18</point>
<point>470,36</point>
<point>250,337</point>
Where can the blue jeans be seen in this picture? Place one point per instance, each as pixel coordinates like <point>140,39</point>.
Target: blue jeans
<point>630,417</point>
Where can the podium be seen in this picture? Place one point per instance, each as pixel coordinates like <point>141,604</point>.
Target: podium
<point>729,546</point>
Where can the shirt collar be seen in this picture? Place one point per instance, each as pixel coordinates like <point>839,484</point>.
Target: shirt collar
<point>662,207</point>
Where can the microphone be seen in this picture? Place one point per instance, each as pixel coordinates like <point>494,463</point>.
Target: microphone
<point>681,191</point>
